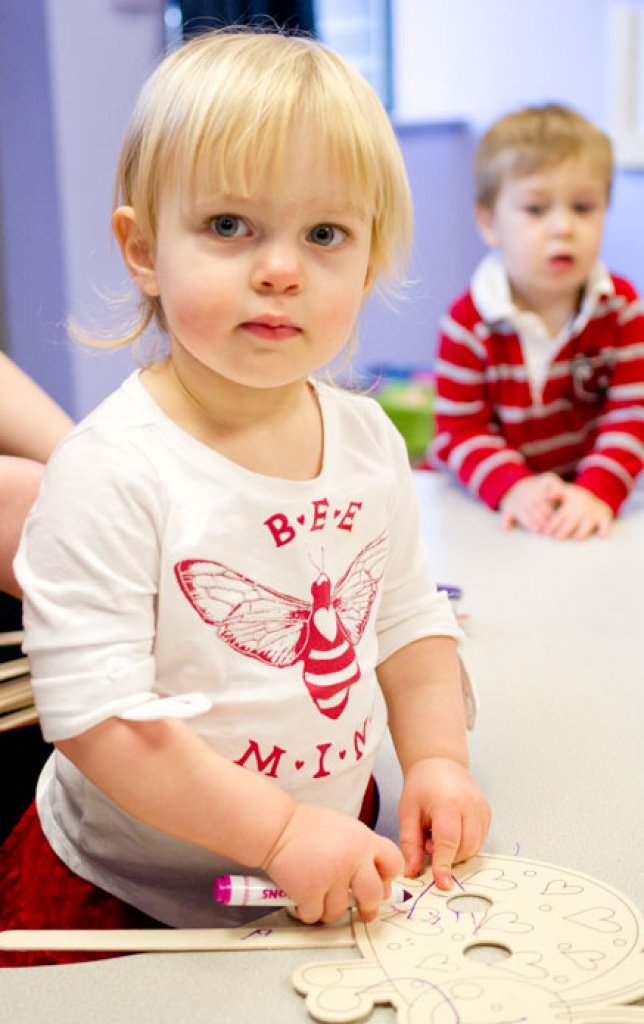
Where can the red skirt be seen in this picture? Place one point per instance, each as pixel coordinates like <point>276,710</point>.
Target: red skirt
<point>39,891</point>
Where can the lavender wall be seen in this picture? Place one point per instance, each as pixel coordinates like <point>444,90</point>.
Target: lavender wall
<point>33,295</point>
<point>70,71</point>
<point>439,160</point>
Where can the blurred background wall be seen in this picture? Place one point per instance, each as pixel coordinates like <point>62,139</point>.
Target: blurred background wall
<point>70,71</point>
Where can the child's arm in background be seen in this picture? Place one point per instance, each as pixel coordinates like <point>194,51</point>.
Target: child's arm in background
<point>163,774</point>
<point>422,686</point>
<point>609,471</point>
<point>579,515</point>
<point>532,502</point>
<point>31,425</point>
<point>467,438</point>
<point>19,483</point>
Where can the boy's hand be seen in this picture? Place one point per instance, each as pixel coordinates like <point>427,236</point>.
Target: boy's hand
<point>578,515</point>
<point>441,795</point>
<point>532,502</point>
<point>321,855</point>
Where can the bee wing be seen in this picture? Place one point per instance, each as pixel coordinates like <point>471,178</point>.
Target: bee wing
<point>255,620</point>
<point>354,594</point>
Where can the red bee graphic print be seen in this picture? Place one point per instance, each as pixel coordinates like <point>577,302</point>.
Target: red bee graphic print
<point>281,630</point>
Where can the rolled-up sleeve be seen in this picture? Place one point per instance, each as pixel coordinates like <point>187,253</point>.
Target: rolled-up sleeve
<point>88,565</point>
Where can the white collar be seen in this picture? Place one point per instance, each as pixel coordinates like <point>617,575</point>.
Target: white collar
<point>490,290</point>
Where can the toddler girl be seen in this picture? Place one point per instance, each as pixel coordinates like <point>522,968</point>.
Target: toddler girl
<point>226,596</point>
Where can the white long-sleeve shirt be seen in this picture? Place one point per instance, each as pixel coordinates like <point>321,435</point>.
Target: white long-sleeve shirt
<point>152,567</point>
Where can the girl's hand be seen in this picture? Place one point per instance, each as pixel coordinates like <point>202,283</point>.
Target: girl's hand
<point>579,515</point>
<point>322,857</point>
<point>441,795</point>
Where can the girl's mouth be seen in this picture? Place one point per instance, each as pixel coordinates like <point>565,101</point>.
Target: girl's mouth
<point>271,332</point>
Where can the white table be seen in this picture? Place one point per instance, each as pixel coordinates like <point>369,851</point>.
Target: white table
<point>556,649</point>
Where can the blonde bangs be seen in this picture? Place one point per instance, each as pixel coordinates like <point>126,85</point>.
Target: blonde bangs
<point>219,113</point>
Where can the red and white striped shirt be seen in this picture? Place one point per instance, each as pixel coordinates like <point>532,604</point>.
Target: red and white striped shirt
<point>513,402</point>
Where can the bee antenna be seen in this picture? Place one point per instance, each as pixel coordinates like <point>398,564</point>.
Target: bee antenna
<point>318,568</point>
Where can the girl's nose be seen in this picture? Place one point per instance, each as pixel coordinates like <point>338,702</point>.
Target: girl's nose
<point>278,269</point>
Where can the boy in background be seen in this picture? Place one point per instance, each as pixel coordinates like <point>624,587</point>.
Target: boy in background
<point>540,369</point>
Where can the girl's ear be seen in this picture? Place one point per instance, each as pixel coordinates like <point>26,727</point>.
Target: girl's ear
<point>136,251</point>
<point>484,216</point>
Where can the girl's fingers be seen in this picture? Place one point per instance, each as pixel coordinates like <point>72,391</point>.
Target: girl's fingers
<point>368,891</point>
<point>311,911</point>
<point>447,830</point>
<point>336,903</point>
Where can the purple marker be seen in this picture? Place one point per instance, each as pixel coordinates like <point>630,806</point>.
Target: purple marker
<point>247,891</point>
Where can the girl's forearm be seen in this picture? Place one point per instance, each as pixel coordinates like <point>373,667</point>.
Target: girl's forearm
<point>163,774</point>
<point>423,690</point>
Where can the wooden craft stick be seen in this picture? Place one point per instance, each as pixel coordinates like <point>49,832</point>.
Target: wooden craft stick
<point>180,940</point>
<point>16,694</point>
<point>11,669</point>
<point>11,639</point>
<point>17,719</point>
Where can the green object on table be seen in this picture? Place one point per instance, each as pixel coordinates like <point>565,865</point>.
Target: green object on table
<point>410,406</point>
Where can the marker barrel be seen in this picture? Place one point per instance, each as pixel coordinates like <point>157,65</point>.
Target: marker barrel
<point>247,891</point>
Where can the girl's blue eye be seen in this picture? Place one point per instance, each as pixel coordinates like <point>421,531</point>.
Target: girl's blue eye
<point>327,234</point>
<point>228,225</point>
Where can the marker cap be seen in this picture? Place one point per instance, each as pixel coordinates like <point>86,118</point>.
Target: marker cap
<point>222,889</point>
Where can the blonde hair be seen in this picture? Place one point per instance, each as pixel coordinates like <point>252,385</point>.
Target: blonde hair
<point>221,108</point>
<point>532,139</point>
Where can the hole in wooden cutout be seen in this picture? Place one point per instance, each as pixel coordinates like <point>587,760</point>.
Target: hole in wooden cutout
<point>467,903</point>
<point>487,952</point>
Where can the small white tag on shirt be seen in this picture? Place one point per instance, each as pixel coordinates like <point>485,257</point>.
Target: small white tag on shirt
<point>186,705</point>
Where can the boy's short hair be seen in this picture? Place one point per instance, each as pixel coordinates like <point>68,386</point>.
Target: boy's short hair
<point>530,139</point>
<point>218,112</point>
